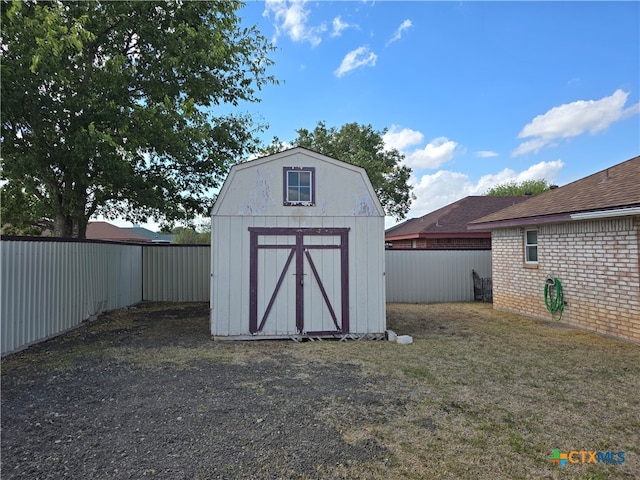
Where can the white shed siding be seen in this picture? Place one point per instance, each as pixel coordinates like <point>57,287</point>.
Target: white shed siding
<point>230,266</point>
<point>252,197</point>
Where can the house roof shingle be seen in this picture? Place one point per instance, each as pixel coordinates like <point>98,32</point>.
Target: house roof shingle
<point>149,234</point>
<point>453,218</point>
<point>615,187</point>
<point>107,231</point>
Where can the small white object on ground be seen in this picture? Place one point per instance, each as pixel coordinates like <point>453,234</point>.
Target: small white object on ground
<point>391,335</point>
<point>404,339</point>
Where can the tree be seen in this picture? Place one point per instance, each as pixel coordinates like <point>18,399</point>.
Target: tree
<point>108,107</point>
<point>363,146</point>
<point>188,235</point>
<point>526,187</point>
<point>21,213</point>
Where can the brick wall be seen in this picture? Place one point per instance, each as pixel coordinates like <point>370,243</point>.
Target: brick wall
<point>444,243</point>
<point>597,262</point>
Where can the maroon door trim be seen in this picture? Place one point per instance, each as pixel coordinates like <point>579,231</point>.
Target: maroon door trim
<point>300,251</point>
<point>275,291</point>
<point>322,290</point>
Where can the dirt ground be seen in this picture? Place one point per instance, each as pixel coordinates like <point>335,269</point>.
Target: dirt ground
<point>145,393</point>
<point>90,404</point>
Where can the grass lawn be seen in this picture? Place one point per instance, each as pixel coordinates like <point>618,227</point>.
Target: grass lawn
<point>493,394</point>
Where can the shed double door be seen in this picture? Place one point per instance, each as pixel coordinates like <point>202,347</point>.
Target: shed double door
<point>299,281</point>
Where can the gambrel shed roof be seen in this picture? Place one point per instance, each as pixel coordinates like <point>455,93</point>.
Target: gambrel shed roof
<point>341,191</point>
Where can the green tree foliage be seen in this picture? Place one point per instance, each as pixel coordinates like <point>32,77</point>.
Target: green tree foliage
<point>363,146</point>
<point>113,108</point>
<point>26,213</point>
<point>526,187</point>
<point>187,235</point>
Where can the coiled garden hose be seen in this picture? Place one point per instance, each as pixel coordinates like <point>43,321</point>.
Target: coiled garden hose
<point>553,297</point>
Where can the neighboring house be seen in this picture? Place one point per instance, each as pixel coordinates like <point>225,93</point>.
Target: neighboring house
<point>446,228</point>
<point>137,234</point>
<point>585,234</point>
<point>297,250</point>
<point>154,237</point>
<point>107,231</point>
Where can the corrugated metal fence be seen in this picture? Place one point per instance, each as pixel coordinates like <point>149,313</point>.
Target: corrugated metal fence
<point>176,273</point>
<point>49,286</point>
<point>424,276</point>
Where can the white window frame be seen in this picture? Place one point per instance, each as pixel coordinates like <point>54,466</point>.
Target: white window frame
<point>312,187</point>
<point>528,246</point>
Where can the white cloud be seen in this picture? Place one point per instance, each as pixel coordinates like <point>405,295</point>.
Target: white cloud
<point>436,153</point>
<point>543,170</point>
<point>291,20</point>
<point>401,138</point>
<point>486,154</point>
<point>339,26</point>
<point>360,57</point>
<point>400,30</point>
<point>444,187</point>
<point>573,119</point>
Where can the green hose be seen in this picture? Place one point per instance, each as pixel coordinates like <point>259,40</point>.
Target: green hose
<point>553,298</point>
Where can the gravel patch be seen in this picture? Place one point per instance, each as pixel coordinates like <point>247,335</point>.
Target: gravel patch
<point>252,410</point>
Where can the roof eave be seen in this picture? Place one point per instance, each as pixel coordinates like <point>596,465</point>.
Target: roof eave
<point>520,222</point>
<point>616,212</point>
<point>476,234</point>
<point>558,218</point>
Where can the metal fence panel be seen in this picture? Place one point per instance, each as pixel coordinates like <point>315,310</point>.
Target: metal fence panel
<point>48,287</point>
<point>427,276</point>
<point>176,273</point>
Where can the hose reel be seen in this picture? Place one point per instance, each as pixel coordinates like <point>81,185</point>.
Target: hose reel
<point>553,297</point>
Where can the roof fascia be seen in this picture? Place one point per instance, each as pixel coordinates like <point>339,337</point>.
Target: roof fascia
<point>477,234</point>
<point>520,222</point>
<point>618,212</point>
<point>401,237</point>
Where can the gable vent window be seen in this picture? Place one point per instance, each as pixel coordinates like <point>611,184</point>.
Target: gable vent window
<point>299,186</point>
<point>531,246</point>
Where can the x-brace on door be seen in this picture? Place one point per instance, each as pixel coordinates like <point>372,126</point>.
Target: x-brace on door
<point>299,281</point>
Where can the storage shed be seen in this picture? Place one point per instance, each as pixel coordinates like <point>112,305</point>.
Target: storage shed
<point>297,250</point>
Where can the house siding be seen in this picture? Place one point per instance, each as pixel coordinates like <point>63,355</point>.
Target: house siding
<point>597,262</point>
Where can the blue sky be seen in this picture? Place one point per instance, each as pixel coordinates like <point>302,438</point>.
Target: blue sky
<point>473,93</point>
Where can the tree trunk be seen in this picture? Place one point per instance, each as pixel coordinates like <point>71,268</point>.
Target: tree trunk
<point>63,226</point>
<point>81,228</point>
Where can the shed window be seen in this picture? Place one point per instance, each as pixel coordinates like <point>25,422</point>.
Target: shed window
<point>299,186</point>
<point>531,246</point>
